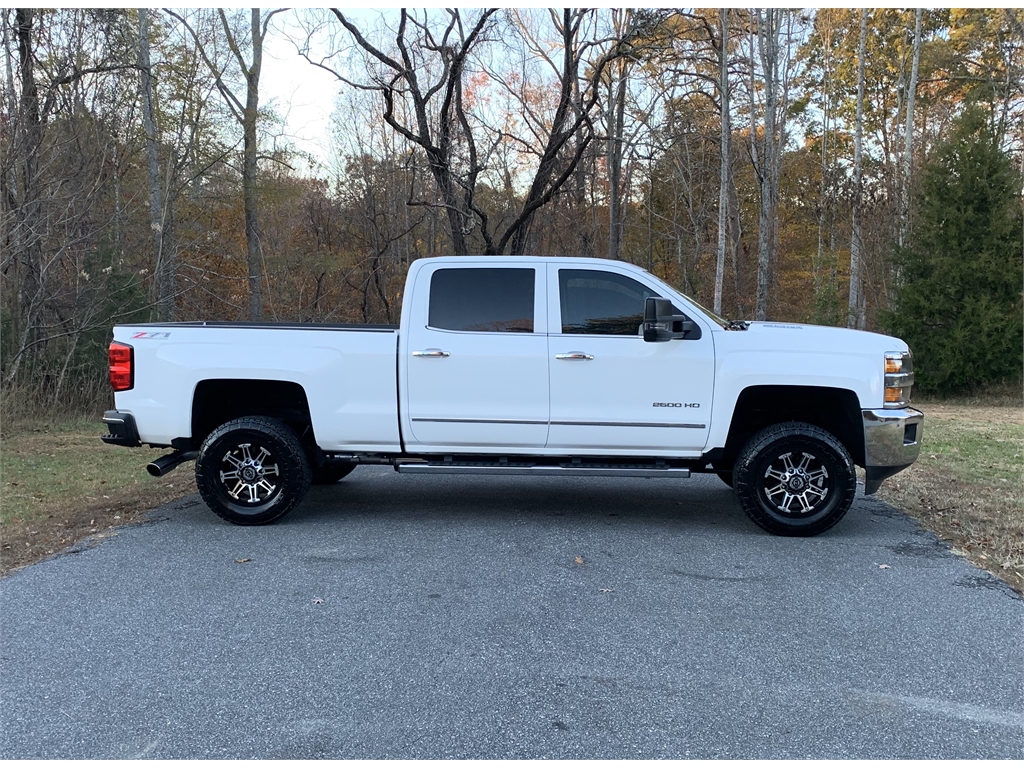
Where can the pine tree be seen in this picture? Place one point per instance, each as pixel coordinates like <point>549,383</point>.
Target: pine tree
<point>959,303</point>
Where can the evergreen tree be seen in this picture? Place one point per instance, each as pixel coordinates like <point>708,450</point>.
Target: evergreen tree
<point>959,302</point>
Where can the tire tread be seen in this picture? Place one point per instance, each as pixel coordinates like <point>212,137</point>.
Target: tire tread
<point>294,456</point>
<point>746,490</point>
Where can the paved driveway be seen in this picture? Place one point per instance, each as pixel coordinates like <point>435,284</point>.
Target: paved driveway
<point>450,617</point>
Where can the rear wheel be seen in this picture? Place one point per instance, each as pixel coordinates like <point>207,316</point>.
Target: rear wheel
<point>795,479</point>
<point>253,470</point>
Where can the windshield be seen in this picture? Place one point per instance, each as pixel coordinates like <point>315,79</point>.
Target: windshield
<point>720,320</point>
<point>711,315</point>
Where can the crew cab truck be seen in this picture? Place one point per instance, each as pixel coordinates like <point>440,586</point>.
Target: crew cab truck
<point>527,366</point>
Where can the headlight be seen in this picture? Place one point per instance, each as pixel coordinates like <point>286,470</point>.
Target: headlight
<point>899,378</point>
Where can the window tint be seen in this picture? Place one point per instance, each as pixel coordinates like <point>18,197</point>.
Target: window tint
<point>482,300</point>
<point>601,302</point>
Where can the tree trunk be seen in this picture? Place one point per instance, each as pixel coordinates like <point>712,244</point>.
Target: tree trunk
<point>723,190</point>
<point>163,269</point>
<point>27,222</point>
<point>616,140</point>
<point>908,136</point>
<point>252,232</point>
<point>615,145</point>
<point>856,304</point>
<point>767,236</point>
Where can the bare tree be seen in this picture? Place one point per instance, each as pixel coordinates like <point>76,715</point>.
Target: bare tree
<point>57,165</point>
<point>426,73</point>
<point>618,79</point>
<point>908,137</point>
<point>726,133</point>
<point>773,53</point>
<point>163,258</point>
<point>856,304</point>
<point>23,196</point>
<point>246,114</point>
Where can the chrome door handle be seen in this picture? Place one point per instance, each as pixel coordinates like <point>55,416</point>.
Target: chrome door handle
<point>573,356</point>
<point>432,352</point>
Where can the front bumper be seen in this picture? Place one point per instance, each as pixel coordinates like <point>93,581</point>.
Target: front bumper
<point>122,429</point>
<point>892,442</point>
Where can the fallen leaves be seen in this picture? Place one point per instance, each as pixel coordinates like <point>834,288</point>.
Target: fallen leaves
<point>243,560</point>
<point>578,560</point>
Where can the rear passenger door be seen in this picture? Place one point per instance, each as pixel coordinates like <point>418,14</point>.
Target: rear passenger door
<point>477,367</point>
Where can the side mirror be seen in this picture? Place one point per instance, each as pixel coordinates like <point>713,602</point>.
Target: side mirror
<point>660,324</point>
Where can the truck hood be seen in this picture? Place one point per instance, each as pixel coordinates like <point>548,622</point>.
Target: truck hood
<point>795,337</point>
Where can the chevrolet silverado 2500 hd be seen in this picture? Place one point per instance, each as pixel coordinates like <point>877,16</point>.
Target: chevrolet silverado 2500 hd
<point>523,365</point>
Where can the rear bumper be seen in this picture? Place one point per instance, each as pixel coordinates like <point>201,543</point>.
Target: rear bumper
<point>122,429</point>
<point>892,442</point>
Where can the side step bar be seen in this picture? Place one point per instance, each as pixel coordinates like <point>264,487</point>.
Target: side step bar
<point>424,468</point>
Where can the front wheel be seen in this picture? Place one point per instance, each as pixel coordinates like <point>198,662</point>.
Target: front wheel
<point>253,470</point>
<point>795,479</point>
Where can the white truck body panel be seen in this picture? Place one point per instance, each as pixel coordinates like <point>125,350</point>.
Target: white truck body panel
<point>348,377</point>
<point>502,392</point>
<point>530,366</point>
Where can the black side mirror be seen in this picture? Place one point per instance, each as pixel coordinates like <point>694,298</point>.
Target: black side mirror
<point>661,324</point>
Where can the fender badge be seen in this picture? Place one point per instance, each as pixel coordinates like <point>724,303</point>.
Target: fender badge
<point>151,335</point>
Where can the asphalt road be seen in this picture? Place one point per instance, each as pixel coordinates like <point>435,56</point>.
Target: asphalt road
<point>420,617</point>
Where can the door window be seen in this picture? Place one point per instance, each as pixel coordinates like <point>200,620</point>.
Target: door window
<point>603,303</point>
<point>482,300</point>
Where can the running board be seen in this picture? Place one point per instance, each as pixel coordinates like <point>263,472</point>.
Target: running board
<point>423,468</point>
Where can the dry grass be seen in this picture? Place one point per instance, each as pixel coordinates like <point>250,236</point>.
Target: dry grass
<point>60,484</point>
<point>968,484</point>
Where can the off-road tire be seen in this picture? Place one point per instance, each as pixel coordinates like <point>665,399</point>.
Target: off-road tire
<point>252,471</point>
<point>331,473</point>
<point>795,479</point>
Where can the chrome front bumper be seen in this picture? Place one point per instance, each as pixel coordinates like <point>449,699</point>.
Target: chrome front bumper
<point>892,442</point>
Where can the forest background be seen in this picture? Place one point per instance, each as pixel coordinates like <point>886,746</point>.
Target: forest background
<point>842,167</point>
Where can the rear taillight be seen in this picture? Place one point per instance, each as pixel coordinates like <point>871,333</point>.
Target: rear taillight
<point>121,356</point>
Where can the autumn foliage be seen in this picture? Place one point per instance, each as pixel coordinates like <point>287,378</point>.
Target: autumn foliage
<point>579,132</point>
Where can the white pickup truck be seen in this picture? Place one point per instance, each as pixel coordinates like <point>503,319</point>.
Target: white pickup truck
<point>529,366</point>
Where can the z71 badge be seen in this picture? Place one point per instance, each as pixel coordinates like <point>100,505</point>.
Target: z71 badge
<point>152,335</point>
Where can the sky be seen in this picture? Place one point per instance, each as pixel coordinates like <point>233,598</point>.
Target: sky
<point>303,95</point>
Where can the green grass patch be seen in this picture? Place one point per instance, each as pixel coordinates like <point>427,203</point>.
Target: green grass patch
<point>976,452</point>
<point>968,484</point>
<point>60,483</point>
<point>63,464</point>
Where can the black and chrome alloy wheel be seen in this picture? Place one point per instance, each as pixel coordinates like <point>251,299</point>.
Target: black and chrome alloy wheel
<point>795,479</point>
<point>795,484</point>
<point>250,474</point>
<point>253,470</point>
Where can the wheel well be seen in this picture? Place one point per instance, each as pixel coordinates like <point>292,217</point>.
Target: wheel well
<point>837,411</point>
<point>217,401</point>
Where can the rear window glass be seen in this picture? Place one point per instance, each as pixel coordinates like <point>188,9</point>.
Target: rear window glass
<point>482,300</point>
